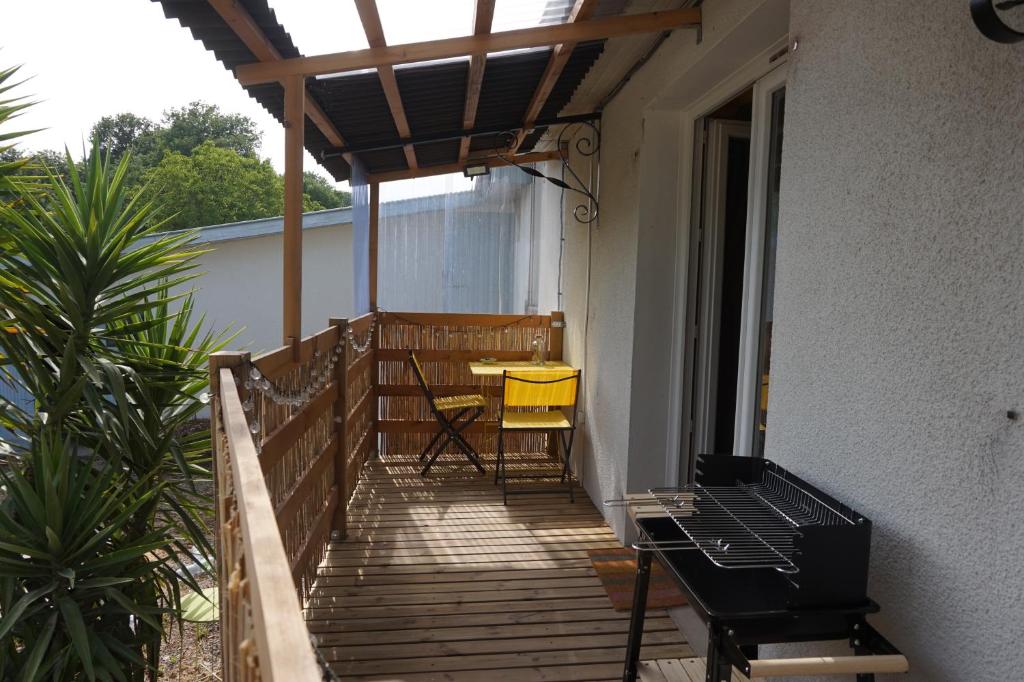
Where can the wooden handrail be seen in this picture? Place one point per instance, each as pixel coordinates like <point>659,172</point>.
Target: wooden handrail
<point>272,620</point>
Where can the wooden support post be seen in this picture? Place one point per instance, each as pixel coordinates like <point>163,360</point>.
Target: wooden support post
<point>374,221</point>
<point>339,524</point>
<point>294,125</point>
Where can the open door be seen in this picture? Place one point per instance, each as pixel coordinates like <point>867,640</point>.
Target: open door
<point>731,297</point>
<point>720,279</point>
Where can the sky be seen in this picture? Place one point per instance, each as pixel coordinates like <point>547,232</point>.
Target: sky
<point>89,58</point>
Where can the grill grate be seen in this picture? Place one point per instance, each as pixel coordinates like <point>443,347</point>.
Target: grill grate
<point>741,526</point>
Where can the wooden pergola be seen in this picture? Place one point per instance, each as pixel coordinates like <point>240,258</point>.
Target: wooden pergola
<point>314,441</point>
<point>292,74</point>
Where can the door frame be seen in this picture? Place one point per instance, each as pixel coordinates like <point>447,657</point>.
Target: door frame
<point>681,370</point>
<point>748,385</point>
<point>716,154</point>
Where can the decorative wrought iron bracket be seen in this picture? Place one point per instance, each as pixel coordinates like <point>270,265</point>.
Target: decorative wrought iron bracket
<point>586,145</point>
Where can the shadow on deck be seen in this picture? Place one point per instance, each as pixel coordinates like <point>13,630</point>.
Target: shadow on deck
<point>437,580</point>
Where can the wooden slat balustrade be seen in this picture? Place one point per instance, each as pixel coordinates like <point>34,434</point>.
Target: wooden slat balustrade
<point>262,632</point>
<point>307,457</point>
<point>399,575</point>
<point>445,343</point>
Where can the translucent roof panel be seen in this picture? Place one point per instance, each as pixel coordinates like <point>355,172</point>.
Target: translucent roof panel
<point>510,15</point>
<point>414,22</point>
<point>321,26</point>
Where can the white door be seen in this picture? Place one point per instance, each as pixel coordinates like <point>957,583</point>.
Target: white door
<point>726,160</point>
<point>753,381</point>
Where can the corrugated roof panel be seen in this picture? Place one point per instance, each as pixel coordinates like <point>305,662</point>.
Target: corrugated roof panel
<point>433,95</point>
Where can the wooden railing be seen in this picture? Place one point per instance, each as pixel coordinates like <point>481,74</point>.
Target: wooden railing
<point>263,634</point>
<point>444,344</point>
<point>292,429</point>
<point>301,420</point>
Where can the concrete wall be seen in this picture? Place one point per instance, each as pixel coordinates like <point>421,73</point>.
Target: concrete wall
<point>899,322</point>
<point>242,284</point>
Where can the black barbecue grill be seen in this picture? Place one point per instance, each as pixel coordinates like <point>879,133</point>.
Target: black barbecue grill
<point>764,558</point>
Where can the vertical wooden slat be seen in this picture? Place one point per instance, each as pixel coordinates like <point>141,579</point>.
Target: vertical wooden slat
<point>294,123</point>
<point>219,360</point>
<point>341,433</point>
<point>266,638</point>
<point>374,223</point>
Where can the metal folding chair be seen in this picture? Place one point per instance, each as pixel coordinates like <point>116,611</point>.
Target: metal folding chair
<point>547,399</point>
<point>448,411</point>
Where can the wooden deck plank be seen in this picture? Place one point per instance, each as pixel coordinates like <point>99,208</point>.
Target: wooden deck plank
<point>438,580</point>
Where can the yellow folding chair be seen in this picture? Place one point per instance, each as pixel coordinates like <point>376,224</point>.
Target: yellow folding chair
<point>538,401</point>
<point>448,411</point>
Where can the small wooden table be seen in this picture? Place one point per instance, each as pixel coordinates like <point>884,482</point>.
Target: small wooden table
<point>496,369</point>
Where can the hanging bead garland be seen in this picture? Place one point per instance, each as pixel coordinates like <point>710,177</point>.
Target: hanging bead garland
<point>318,375</point>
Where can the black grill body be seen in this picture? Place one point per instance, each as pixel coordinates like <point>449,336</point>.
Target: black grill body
<point>831,560</point>
<point>815,591</point>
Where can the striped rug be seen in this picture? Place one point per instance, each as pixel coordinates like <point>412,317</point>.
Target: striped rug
<point>617,570</point>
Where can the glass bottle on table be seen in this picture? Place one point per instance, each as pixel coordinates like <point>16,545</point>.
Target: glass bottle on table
<point>539,351</point>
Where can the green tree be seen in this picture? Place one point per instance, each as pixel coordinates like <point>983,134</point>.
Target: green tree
<point>214,185</point>
<point>320,191</point>
<point>120,133</point>
<point>182,130</point>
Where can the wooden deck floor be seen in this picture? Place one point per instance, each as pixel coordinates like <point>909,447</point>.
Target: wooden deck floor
<point>439,581</point>
<point>677,670</point>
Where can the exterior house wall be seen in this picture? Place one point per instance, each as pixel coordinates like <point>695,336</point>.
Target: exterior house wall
<point>620,272</point>
<point>899,314</point>
<point>898,318</point>
<point>241,284</point>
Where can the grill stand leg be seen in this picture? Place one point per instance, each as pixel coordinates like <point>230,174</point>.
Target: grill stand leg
<point>719,669</point>
<point>636,621</point>
<point>863,677</point>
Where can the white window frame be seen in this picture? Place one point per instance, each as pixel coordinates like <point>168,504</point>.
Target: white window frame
<point>748,385</point>
<point>713,245</point>
<point>746,76</point>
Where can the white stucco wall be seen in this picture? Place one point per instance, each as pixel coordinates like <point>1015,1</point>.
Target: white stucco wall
<point>241,284</point>
<point>899,323</point>
<point>630,253</point>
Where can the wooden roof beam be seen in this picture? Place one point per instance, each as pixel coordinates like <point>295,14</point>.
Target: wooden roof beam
<point>483,16</point>
<point>443,169</point>
<point>375,57</point>
<point>235,16</point>
<point>370,18</point>
<point>581,11</point>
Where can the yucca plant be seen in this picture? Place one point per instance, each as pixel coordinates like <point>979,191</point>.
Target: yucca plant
<point>77,586</point>
<point>90,326</point>
<point>10,107</point>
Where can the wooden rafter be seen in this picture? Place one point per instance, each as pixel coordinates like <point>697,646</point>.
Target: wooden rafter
<point>581,11</point>
<point>252,35</point>
<point>442,169</point>
<point>370,18</point>
<point>483,16</point>
<point>375,57</point>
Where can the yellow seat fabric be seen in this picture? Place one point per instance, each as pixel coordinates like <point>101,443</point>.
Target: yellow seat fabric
<point>531,392</point>
<point>459,402</point>
<point>553,419</point>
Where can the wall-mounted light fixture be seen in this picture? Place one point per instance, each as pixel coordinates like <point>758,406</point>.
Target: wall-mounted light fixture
<point>476,170</point>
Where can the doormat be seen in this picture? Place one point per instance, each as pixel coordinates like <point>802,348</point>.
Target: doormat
<point>617,570</point>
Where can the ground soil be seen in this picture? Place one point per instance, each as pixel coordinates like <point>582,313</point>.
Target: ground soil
<point>192,654</point>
